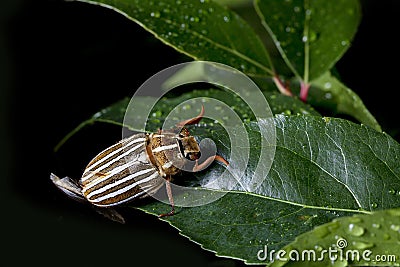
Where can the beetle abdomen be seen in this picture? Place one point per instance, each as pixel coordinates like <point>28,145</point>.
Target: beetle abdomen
<point>120,173</point>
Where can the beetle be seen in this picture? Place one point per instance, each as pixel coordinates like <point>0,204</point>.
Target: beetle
<point>136,167</point>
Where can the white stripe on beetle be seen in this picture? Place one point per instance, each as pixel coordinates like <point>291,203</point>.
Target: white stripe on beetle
<point>162,148</point>
<point>126,188</point>
<point>115,152</point>
<point>111,162</point>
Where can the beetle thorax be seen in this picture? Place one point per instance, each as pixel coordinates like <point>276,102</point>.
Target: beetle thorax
<point>170,151</point>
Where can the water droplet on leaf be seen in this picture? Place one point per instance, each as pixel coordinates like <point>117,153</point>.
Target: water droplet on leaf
<point>392,191</point>
<point>312,36</point>
<point>362,245</point>
<point>155,14</point>
<point>395,227</point>
<point>355,230</point>
<point>327,85</point>
<point>376,225</point>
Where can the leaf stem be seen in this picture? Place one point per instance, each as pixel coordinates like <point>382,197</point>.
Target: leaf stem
<point>281,86</point>
<point>304,88</point>
<point>71,133</point>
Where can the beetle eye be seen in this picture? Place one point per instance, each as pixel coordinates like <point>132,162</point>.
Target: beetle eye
<point>184,133</point>
<point>193,155</point>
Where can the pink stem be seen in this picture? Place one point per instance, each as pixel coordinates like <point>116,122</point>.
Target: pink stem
<point>281,86</point>
<point>304,87</point>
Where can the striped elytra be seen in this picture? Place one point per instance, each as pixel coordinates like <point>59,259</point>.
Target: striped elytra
<point>132,168</point>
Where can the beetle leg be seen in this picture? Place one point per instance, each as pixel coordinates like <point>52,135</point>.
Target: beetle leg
<point>205,163</point>
<point>192,120</point>
<point>111,214</point>
<point>170,198</point>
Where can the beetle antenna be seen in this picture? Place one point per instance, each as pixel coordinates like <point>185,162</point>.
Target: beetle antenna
<point>192,120</point>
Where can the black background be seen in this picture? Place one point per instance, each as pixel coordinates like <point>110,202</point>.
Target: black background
<point>60,63</point>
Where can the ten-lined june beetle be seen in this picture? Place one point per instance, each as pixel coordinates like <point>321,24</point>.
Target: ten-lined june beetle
<point>135,168</point>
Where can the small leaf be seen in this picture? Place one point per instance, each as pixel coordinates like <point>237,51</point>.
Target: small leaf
<point>328,92</point>
<point>311,35</point>
<point>357,241</point>
<point>200,29</point>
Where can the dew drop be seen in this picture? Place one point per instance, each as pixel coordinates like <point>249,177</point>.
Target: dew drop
<point>156,114</point>
<point>328,96</point>
<point>392,191</point>
<point>327,85</point>
<point>155,14</point>
<point>355,230</point>
<point>362,245</point>
<point>395,227</point>
<point>313,36</point>
<point>226,19</point>
<point>97,115</point>
<point>386,236</point>
<point>376,225</point>
<point>304,39</point>
<point>344,43</point>
<point>186,107</point>
<point>194,19</point>
<point>318,248</point>
<point>296,9</point>
<point>374,205</point>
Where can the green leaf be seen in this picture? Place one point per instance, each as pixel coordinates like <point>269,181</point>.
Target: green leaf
<point>200,29</point>
<point>317,175</point>
<point>359,239</point>
<point>239,225</point>
<point>328,92</point>
<point>325,162</point>
<point>323,168</point>
<point>310,35</point>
